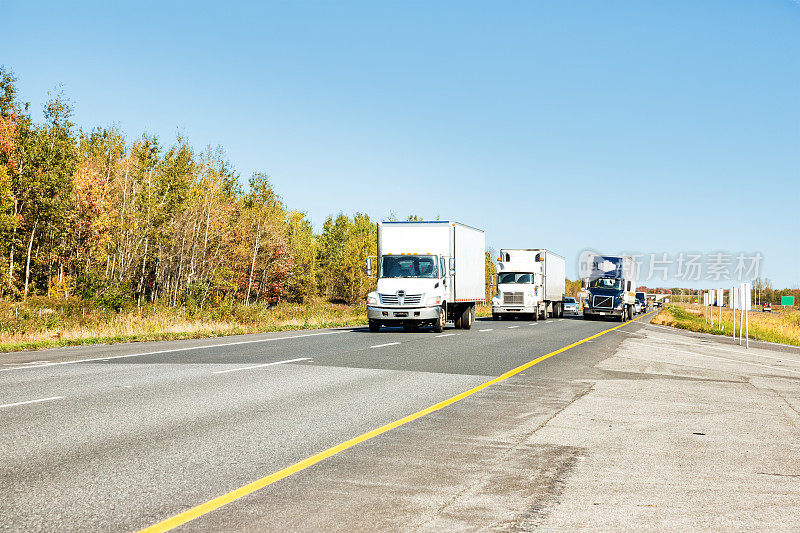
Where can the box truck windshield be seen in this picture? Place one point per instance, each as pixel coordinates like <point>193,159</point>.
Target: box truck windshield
<point>514,277</point>
<point>409,266</point>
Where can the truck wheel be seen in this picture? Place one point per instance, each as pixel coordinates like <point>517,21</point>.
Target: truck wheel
<point>374,326</point>
<point>458,315</point>
<point>544,313</point>
<point>468,317</point>
<point>438,326</point>
<point>495,316</point>
<point>624,314</point>
<point>535,316</point>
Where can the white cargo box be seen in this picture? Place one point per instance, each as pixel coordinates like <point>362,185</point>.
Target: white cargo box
<point>550,264</point>
<point>462,247</point>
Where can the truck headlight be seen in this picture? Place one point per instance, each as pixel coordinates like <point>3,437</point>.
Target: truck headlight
<point>372,299</point>
<point>433,300</point>
<point>495,301</point>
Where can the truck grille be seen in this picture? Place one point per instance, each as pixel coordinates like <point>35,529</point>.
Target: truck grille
<point>409,299</point>
<point>603,301</point>
<point>513,298</point>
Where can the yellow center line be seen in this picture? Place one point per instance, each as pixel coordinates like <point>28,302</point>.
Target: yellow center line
<point>219,501</point>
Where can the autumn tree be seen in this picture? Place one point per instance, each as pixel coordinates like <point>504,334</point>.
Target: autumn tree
<point>301,281</point>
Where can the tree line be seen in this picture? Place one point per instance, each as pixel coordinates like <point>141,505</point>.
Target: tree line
<point>91,214</point>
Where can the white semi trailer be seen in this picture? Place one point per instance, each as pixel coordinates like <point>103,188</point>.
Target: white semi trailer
<point>428,273</point>
<point>530,282</point>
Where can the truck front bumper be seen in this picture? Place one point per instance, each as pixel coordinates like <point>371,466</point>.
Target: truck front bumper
<point>602,312</point>
<point>513,309</point>
<point>402,314</point>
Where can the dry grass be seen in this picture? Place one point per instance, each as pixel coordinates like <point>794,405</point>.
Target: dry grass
<point>46,323</point>
<point>779,326</point>
<point>49,323</point>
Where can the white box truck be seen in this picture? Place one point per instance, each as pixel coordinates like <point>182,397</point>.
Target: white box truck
<point>428,273</point>
<point>611,285</point>
<point>530,282</point>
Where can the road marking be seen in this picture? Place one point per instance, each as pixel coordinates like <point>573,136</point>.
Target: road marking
<point>490,329</point>
<point>106,358</point>
<point>219,501</point>
<point>262,366</point>
<point>512,327</point>
<point>382,345</point>
<point>35,362</point>
<point>445,335</point>
<point>32,401</point>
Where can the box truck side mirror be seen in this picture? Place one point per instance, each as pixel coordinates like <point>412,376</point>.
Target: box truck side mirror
<point>369,267</point>
<point>452,266</point>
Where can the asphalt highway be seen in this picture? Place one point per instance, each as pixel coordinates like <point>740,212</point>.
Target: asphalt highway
<point>122,437</point>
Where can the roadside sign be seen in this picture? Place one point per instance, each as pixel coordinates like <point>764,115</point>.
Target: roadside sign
<point>747,297</point>
<point>787,300</point>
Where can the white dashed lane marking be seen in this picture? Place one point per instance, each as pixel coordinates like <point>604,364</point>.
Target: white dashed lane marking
<point>52,398</point>
<point>261,366</point>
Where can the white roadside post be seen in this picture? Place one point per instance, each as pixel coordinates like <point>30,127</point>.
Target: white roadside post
<point>705,306</point>
<point>721,302</point>
<point>741,312</point>
<point>747,305</point>
<point>732,304</point>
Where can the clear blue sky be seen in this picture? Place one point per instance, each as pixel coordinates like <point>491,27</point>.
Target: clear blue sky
<point>532,120</point>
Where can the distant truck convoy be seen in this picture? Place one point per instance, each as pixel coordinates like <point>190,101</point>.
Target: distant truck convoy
<point>428,273</point>
<point>611,284</point>
<point>530,282</point>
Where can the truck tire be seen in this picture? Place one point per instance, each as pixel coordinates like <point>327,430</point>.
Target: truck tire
<point>624,315</point>
<point>374,326</point>
<point>544,313</point>
<point>468,317</point>
<point>535,316</point>
<point>495,316</point>
<point>457,321</point>
<point>438,326</point>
